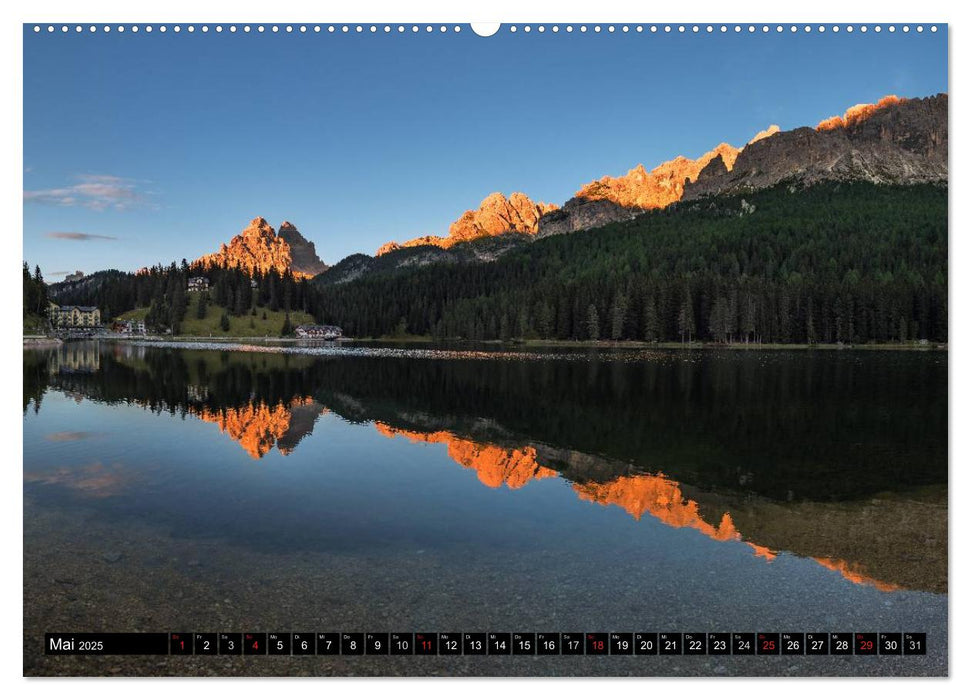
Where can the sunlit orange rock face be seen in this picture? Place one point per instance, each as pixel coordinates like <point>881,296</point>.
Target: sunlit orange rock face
<point>858,113</point>
<point>659,187</point>
<point>495,466</point>
<point>496,215</point>
<point>259,249</point>
<point>765,133</point>
<point>256,249</point>
<point>257,427</point>
<point>438,241</point>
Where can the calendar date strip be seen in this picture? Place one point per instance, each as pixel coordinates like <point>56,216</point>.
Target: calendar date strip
<point>487,643</point>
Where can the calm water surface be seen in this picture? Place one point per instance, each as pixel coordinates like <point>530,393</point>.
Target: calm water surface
<point>366,489</point>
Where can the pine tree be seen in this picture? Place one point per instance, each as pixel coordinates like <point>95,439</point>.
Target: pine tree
<point>543,319</point>
<point>202,307</point>
<point>686,316</point>
<point>39,292</point>
<point>593,323</point>
<point>652,329</point>
<point>748,318</point>
<point>618,316</point>
<point>239,305</point>
<point>718,325</point>
<point>810,324</point>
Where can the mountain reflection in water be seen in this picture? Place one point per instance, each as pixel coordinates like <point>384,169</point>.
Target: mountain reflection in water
<point>867,525</point>
<point>257,427</point>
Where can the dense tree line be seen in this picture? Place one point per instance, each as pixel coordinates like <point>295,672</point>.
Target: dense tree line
<point>163,290</point>
<point>836,262</point>
<point>35,293</point>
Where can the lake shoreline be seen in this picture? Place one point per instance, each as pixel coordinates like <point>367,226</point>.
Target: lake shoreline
<point>41,342</point>
<point>644,345</point>
<point>590,344</point>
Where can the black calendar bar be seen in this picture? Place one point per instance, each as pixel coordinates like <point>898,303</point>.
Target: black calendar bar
<point>104,643</point>
<point>630,644</point>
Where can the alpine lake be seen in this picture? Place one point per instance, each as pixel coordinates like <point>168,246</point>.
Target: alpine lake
<point>200,487</point>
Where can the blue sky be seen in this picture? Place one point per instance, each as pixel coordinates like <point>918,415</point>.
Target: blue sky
<point>144,148</point>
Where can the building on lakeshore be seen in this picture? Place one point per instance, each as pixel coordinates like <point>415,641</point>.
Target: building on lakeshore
<point>198,284</point>
<point>129,327</point>
<point>309,330</point>
<point>74,316</point>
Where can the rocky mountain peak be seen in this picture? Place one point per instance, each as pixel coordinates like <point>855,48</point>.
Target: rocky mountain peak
<point>765,133</point>
<point>495,216</point>
<point>258,248</point>
<point>858,113</point>
<point>387,248</point>
<point>303,253</point>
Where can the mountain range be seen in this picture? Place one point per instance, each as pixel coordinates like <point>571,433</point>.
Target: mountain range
<point>893,141</point>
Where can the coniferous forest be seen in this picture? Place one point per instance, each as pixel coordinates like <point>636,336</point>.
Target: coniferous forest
<point>836,262</point>
<point>162,290</point>
<point>35,293</point>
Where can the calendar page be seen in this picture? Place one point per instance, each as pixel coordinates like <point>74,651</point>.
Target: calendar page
<point>449,349</point>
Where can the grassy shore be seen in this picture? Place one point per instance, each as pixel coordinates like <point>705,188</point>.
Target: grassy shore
<point>264,323</point>
<point>34,325</point>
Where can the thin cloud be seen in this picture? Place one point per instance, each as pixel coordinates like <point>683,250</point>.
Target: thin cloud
<point>75,236</point>
<point>98,192</point>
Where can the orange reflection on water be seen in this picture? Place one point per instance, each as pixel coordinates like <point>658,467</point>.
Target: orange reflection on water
<point>256,427</point>
<point>662,498</point>
<point>851,572</point>
<point>653,494</point>
<point>495,466</point>
<point>259,426</point>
